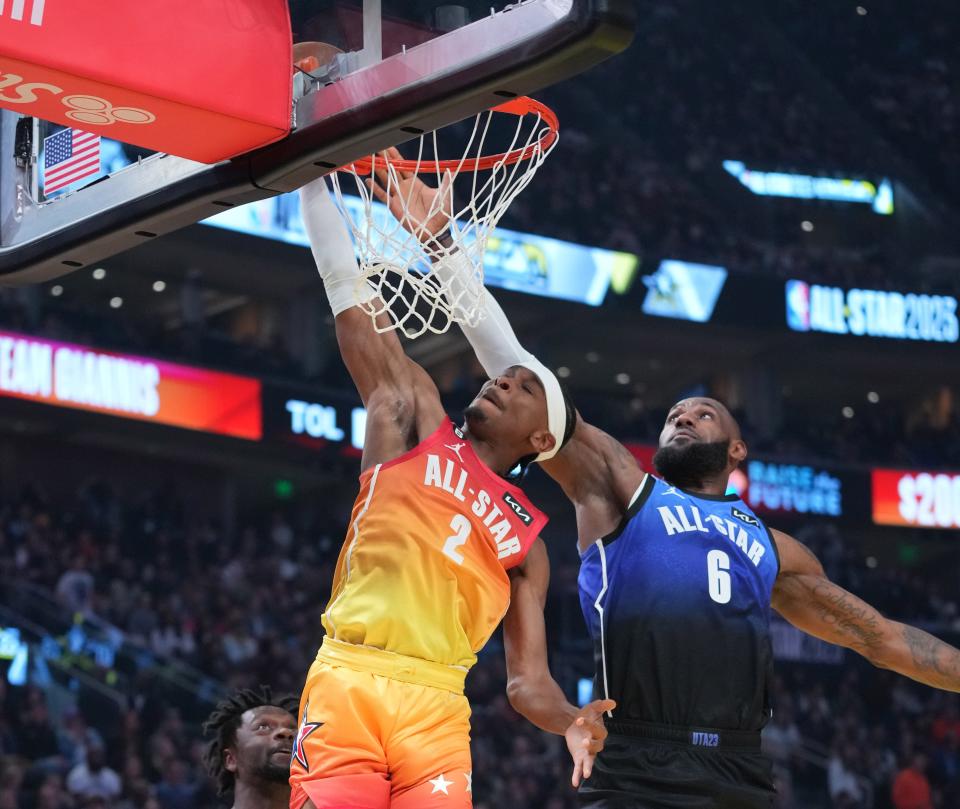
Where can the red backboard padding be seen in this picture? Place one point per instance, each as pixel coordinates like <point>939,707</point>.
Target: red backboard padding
<point>202,79</point>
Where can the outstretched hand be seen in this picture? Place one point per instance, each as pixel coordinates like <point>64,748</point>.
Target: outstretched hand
<point>424,211</point>
<point>585,737</point>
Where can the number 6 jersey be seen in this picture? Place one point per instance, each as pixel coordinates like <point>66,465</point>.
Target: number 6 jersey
<point>423,567</point>
<point>677,601</point>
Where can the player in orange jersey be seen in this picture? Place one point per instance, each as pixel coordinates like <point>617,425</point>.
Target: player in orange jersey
<point>422,580</point>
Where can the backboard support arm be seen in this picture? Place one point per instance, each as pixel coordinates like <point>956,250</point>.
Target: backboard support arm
<point>372,32</point>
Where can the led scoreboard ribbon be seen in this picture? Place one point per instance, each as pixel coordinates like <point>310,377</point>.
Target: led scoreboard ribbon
<point>804,186</point>
<point>872,313</point>
<point>920,499</point>
<point>130,387</point>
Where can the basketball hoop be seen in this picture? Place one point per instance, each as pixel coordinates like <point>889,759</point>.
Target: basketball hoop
<point>429,276</point>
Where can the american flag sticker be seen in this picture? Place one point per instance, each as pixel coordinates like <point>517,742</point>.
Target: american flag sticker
<point>68,156</point>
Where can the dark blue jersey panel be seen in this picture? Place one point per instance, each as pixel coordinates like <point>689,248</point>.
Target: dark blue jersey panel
<point>678,604</point>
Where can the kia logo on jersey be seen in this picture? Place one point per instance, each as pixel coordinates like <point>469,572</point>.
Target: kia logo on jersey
<point>744,517</point>
<point>519,510</point>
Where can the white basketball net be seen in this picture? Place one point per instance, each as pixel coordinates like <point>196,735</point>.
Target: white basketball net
<point>420,284</point>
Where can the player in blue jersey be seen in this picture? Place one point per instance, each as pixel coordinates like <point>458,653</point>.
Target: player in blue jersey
<point>677,597</point>
<point>677,583</point>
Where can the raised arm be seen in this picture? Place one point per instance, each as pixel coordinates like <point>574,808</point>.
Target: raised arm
<point>810,601</point>
<point>531,689</point>
<point>599,475</point>
<point>401,400</point>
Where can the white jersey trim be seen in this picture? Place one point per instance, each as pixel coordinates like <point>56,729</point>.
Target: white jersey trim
<point>639,491</point>
<point>598,606</point>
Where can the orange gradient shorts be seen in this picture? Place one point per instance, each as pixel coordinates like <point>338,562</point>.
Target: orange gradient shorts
<point>380,730</point>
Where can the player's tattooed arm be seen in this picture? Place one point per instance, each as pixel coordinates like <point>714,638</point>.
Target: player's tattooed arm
<point>810,601</point>
<point>928,659</point>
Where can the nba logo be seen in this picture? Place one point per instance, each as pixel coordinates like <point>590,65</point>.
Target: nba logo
<point>798,305</point>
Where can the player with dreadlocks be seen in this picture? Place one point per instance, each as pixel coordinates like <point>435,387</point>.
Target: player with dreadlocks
<point>253,741</point>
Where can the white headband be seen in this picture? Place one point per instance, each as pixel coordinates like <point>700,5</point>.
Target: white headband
<point>556,406</point>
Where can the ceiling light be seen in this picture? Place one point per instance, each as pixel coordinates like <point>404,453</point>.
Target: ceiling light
<point>99,274</point>
<point>159,286</point>
<point>847,412</point>
<point>873,397</point>
<point>116,303</point>
<point>623,379</point>
<point>807,226</point>
<point>861,11</point>
<point>563,372</point>
<point>56,290</point>
<point>593,356</point>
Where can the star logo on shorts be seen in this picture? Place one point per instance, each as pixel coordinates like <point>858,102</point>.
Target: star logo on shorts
<point>440,784</point>
<point>305,729</point>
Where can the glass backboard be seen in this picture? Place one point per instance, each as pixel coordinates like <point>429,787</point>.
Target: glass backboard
<point>372,73</point>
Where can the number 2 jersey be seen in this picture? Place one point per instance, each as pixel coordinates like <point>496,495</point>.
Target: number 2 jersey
<point>423,567</point>
<point>677,601</point>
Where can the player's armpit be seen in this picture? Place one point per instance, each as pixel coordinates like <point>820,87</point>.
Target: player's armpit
<point>810,601</point>
<point>599,475</point>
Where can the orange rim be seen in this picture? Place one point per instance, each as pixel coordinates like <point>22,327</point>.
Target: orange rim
<point>520,107</point>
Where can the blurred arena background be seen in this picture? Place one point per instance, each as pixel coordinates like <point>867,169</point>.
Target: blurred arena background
<point>757,201</point>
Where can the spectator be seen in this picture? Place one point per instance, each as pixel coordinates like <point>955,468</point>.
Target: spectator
<point>911,789</point>
<point>75,588</point>
<point>36,739</point>
<point>281,533</point>
<point>136,788</point>
<point>238,644</point>
<point>948,723</point>
<point>51,795</point>
<point>781,738</point>
<point>76,737</point>
<point>176,790</point>
<point>93,778</point>
<point>845,786</point>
